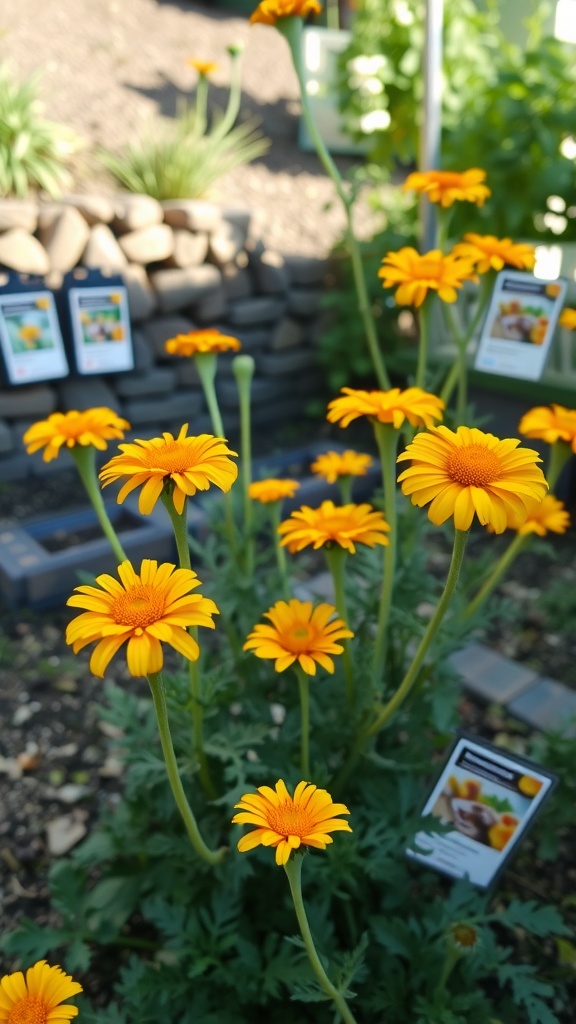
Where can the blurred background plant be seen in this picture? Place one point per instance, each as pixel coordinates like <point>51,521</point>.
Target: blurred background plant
<point>34,152</point>
<point>182,159</point>
<point>506,108</point>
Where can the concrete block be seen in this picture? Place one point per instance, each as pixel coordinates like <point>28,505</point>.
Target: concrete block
<point>255,311</point>
<point>161,328</point>
<point>237,282</point>
<point>180,405</point>
<point>226,242</point>
<point>252,341</point>
<point>281,364</point>
<point>6,439</point>
<point>141,296</point>
<point>211,308</point>
<point>305,270</point>
<point>546,704</point>
<point>489,675</point>
<point>86,393</point>
<point>143,352</point>
<point>304,301</point>
<point>287,334</point>
<point>187,372</point>
<point>159,381</point>
<point>180,289</point>
<point>36,402</point>
<point>263,392</point>
<point>14,467</point>
<point>270,273</point>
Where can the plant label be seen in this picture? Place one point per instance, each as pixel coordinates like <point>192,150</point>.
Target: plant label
<point>518,329</point>
<point>30,338</point>
<point>488,798</point>
<point>100,328</point>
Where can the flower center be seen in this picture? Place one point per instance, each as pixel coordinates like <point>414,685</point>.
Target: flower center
<point>465,935</point>
<point>141,605</point>
<point>298,638</point>
<point>289,820</point>
<point>473,466</point>
<point>28,1011</point>
<point>173,457</point>
<point>450,179</point>
<point>429,269</point>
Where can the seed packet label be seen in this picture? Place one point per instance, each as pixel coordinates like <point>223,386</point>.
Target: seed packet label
<point>30,337</point>
<point>519,326</point>
<point>101,329</point>
<point>489,798</point>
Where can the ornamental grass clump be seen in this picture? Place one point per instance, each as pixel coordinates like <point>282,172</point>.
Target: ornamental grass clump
<point>283,705</point>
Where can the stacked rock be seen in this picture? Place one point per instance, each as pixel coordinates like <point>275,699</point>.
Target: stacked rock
<point>186,264</point>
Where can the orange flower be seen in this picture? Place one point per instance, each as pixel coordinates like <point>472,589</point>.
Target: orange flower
<point>269,12</point>
<point>38,997</point>
<point>529,785</point>
<point>345,525</point>
<point>470,473</point>
<point>419,407</point>
<point>448,187</point>
<point>203,67</point>
<point>272,489</point>
<point>568,319</point>
<point>117,334</point>
<point>190,463</point>
<point>490,253</point>
<point>68,429</point>
<point>546,516</point>
<point>141,610</point>
<point>416,275</point>
<point>501,833</point>
<point>289,822</point>
<point>331,465</point>
<point>299,633</point>
<point>201,342</point>
<point>550,423</point>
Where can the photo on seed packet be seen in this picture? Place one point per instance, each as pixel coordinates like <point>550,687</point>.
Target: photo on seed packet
<point>101,329</point>
<point>30,338</point>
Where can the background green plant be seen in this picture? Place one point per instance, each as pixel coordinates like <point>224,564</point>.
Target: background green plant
<point>34,152</point>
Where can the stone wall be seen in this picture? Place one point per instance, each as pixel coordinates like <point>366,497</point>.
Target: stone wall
<point>186,264</point>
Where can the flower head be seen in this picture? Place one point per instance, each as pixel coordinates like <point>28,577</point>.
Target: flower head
<point>490,253</point>
<point>67,429</point>
<point>203,67</point>
<point>38,997</point>
<point>287,822</point>
<point>470,473</point>
<point>201,342</point>
<point>190,463</point>
<point>272,489</point>
<point>299,633</point>
<point>463,937</point>
<point>568,319</point>
<point>346,525</point>
<point>419,407</point>
<point>143,610</point>
<point>550,423</point>
<point>331,465</point>
<point>269,12</point>
<point>448,187</point>
<point>416,275</point>
<point>546,516</point>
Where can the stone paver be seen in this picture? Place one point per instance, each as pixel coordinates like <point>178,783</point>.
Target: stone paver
<point>489,675</point>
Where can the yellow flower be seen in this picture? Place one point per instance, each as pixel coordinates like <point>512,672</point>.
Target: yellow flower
<point>115,298</point>
<point>550,423</point>
<point>490,253</point>
<point>42,303</point>
<point>469,473</point>
<point>269,12</point>
<point>419,407</point>
<point>88,427</point>
<point>200,342</point>
<point>546,516</point>
<point>299,633</point>
<point>142,609</point>
<point>447,187</point>
<point>203,67</point>
<point>345,525</point>
<point>272,489</point>
<point>117,334</point>
<point>331,465</point>
<point>38,997</point>
<point>30,332</point>
<point>568,319</point>
<point>287,822</point>
<point>529,785</point>
<point>190,463</point>
<point>416,275</point>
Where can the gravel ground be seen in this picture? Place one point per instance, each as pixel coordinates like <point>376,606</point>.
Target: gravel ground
<point>111,67</point>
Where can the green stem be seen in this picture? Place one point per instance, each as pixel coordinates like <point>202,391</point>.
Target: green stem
<point>292,30</point>
<point>243,367</point>
<point>462,393</point>
<point>345,487</point>
<point>424,323</point>
<point>85,460</point>
<point>451,959</point>
<point>181,536</point>
<point>211,857</point>
<point>462,340</point>
<point>293,871</point>
<point>201,122</point>
<point>386,713</point>
<point>560,452</point>
<point>386,438</point>
<point>443,216</point>
<point>275,511</point>
<point>234,98</point>
<point>206,364</point>
<point>304,687</point>
<point>503,563</point>
<point>336,558</point>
